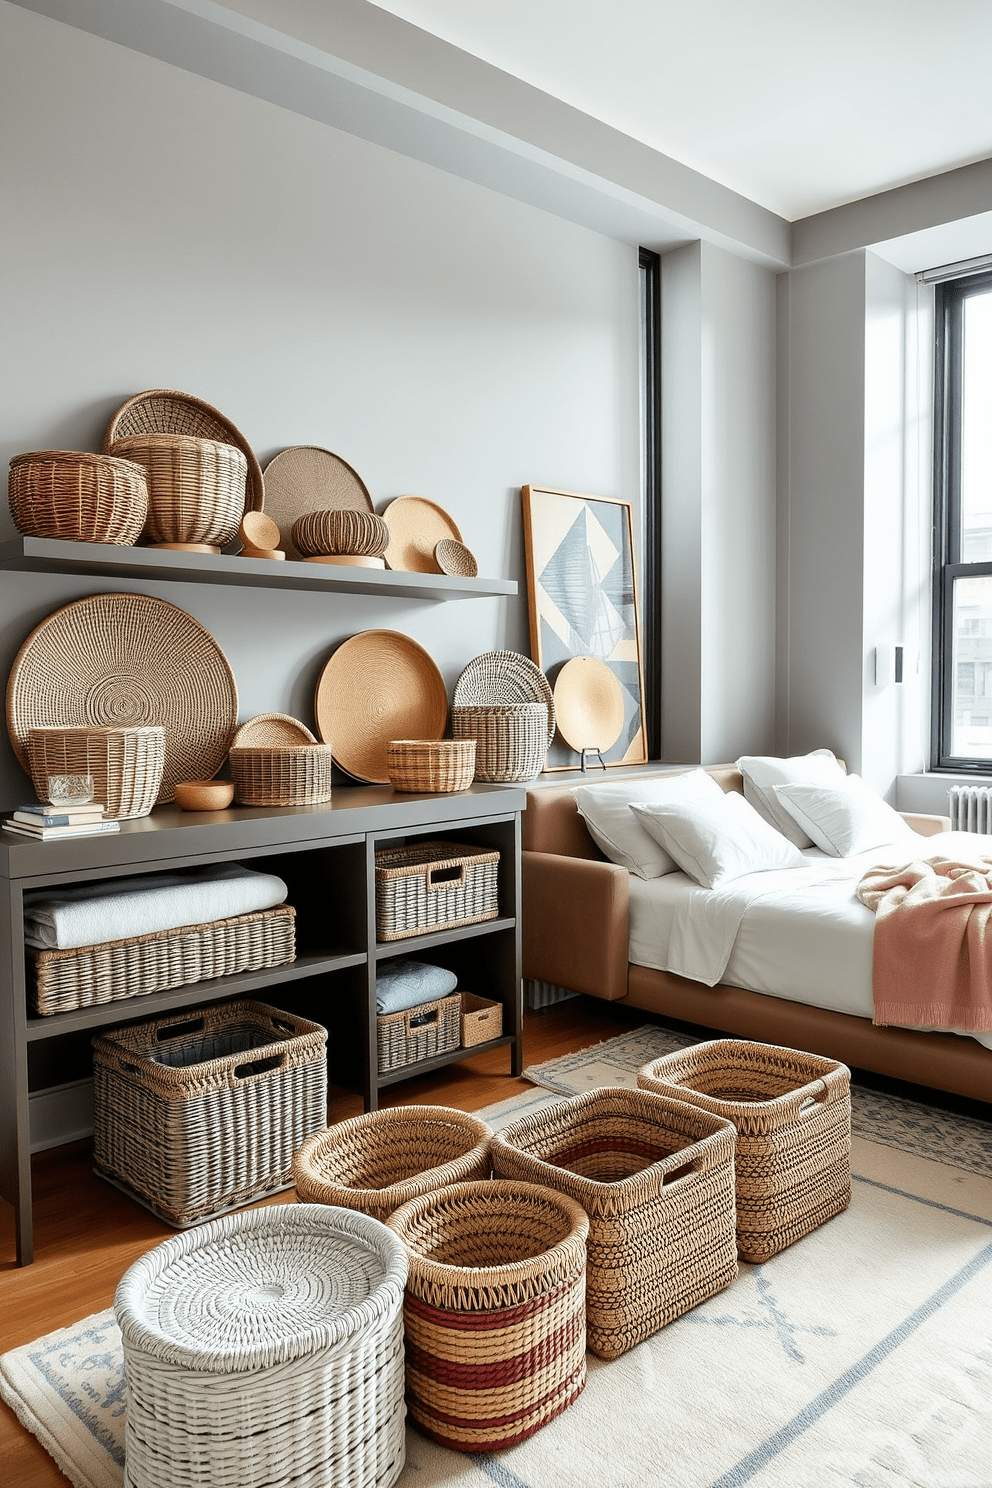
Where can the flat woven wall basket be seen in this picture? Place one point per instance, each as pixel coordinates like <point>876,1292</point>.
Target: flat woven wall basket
<point>434,885</point>
<point>202,1112</point>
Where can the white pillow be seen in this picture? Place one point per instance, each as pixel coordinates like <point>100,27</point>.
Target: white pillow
<point>763,772</point>
<point>614,828</point>
<point>845,819</point>
<point>715,841</point>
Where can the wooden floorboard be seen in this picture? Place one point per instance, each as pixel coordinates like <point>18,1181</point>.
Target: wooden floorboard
<point>87,1233</point>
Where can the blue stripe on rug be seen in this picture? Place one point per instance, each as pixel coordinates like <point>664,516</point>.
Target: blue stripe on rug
<point>845,1383</point>
<point>917,1198</point>
<point>500,1474</point>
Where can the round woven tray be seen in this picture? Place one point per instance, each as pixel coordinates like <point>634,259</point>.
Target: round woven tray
<point>161,411</point>
<point>127,659</point>
<point>416,526</point>
<point>378,686</point>
<point>589,704</point>
<point>271,730</point>
<point>504,677</point>
<point>78,496</point>
<point>305,479</point>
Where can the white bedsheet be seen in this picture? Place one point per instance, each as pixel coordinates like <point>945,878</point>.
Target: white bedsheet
<point>796,933</point>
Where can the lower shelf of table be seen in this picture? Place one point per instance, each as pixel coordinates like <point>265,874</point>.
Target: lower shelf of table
<point>453,1056</point>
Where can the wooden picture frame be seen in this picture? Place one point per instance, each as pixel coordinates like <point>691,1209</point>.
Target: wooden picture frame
<point>582,601</point>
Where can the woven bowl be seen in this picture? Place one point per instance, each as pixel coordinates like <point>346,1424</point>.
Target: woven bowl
<point>204,795</point>
<point>76,496</point>
<point>442,765</point>
<point>358,533</point>
<point>126,764</point>
<point>286,775</point>
<point>196,487</point>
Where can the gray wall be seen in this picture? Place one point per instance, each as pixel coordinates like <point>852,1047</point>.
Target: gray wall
<point>444,339</point>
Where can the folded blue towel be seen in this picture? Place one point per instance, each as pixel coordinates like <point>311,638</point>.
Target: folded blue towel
<point>405,984</point>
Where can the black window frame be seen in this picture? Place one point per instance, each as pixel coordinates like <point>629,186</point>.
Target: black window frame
<point>649,265</point>
<point>949,301</point>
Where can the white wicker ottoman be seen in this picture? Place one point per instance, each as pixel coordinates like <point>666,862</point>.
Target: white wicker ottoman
<point>266,1347</point>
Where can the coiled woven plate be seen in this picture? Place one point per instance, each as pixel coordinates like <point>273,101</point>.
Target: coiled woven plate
<point>305,478</point>
<point>127,659</point>
<point>378,686</point>
<point>504,677</point>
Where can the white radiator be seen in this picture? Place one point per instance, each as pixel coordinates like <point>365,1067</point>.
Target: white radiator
<point>971,808</point>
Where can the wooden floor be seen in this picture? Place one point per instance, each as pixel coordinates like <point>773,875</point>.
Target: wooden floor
<point>87,1234</point>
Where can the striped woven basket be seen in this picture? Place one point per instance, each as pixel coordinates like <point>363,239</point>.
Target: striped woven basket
<point>792,1112</point>
<point>196,487</point>
<point>79,496</point>
<point>511,739</point>
<point>494,1312</point>
<point>656,1177</point>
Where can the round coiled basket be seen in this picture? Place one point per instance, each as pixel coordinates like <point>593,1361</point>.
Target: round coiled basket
<point>440,765</point>
<point>196,488</point>
<point>78,497</point>
<point>126,764</point>
<point>281,775</point>
<point>511,739</point>
<point>344,531</point>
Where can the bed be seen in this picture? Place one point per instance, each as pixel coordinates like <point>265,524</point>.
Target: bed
<point>592,927</point>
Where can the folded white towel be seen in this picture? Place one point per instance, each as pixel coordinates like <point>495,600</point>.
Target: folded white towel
<point>90,914</point>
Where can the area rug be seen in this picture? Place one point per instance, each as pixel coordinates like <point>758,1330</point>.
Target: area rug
<point>860,1356</point>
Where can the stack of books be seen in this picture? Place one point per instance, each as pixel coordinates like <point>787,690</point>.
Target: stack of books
<point>56,822</point>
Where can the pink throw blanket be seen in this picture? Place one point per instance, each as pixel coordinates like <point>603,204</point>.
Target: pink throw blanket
<point>932,960</point>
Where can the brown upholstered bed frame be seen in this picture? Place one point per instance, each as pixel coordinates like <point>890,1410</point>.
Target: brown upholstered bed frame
<point>575,934</point>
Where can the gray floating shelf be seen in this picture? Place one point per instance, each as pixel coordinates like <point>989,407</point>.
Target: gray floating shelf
<point>49,555</point>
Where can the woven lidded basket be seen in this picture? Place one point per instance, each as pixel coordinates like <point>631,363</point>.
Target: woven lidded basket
<point>511,739</point>
<point>281,775</point>
<point>434,886</point>
<point>266,1348</point>
<point>494,1311</point>
<point>656,1177</point>
<point>446,765</point>
<point>202,1111</point>
<point>792,1112</point>
<point>196,487</point>
<point>381,1160</point>
<point>76,496</point>
<point>126,764</point>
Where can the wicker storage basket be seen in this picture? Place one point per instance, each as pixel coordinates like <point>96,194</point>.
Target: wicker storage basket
<point>482,1019</point>
<point>656,1177</point>
<point>196,487</point>
<point>434,886</point>
<point>381,1160</point>
<point>431,764</point>
<point>266,1348</point>
<point>201,1112</point>
<point>281,775</point>
<point>511,739</point>
<point>792,1112</point>
<point>494,1311</point>
<point>126,764</point>
<point>85,498</point>
<point>418,1033</point>
<point>120,969</point>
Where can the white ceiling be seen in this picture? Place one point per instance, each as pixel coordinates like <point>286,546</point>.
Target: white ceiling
<point>799,105</point>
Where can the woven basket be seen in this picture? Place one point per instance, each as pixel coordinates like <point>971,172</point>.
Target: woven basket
<point>792,1112</point>
<point>381,1160</point>
<point>420,1032</point>
<point>362,533</point>
<point>201,1112</point>
<point>656,1177</point>
<point>196,487</point>
<point>119,969</point>
<point>482,1019</point>
<point>266,1348</point>
<point>284,775</point>
<point>160,411</point>
<point>494,1311</point>
<point>126,764</point>
<point>81,497</point>
<point>511,739</point>
<point>442,765</point>
<point>433,886</point>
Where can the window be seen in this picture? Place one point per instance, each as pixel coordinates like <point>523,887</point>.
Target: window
<point>962,736</point>
<point>650,366</point>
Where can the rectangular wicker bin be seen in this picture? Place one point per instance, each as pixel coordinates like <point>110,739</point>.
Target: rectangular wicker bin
<point>419,1033</point>
<point>119,969</point>
<point>482,1019</point>
<point>434,886</point>
<point>201,1112</point>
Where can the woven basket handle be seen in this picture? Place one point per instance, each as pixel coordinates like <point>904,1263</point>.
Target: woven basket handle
<point>180,1029</point>
<point>258,1066</point>
<point>820,1093</point>
<point>416,1020</point>
<point>445,876</point>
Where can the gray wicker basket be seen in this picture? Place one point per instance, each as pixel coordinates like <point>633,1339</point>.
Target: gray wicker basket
<point>511,739</point>
<point>201,1112</point>
<point>434,886</point>
<point>419,1033</point>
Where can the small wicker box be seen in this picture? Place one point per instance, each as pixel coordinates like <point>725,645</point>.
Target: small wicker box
<point>434,886</point>
<point>656,1177</point>
<point>126,764</point>
<point>792,1112</point>
<point>431,764</point>
<point>419,1033</point>
<point>281,775</point>
<point>202,1111</point>
<point>482,1019</point>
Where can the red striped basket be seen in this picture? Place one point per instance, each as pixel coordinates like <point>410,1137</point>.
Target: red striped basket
<point>494,1311</point>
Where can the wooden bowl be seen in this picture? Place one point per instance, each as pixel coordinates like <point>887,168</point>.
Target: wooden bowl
<point>357,533</point>
<point>204,795</point>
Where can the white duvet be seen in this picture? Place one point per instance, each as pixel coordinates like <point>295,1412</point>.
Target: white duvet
<point>797,933</point>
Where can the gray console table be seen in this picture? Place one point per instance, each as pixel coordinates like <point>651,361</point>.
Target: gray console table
<point>326,855</point>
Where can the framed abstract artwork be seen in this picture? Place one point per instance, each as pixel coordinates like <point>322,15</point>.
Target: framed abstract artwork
<point>582,602</point>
